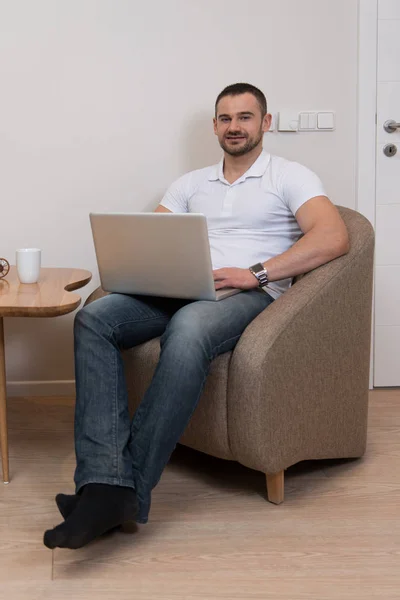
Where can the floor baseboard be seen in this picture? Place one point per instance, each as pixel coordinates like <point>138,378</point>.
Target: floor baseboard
<point>41,388</point>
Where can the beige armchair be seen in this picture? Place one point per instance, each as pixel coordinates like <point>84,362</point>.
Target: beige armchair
<point>296,386</point>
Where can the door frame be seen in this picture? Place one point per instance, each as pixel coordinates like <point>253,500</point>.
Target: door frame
<point>366,122</point>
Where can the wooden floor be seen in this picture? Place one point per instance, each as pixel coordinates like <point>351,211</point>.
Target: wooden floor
<point>211,533</point>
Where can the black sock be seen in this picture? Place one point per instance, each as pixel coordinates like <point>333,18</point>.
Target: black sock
<point>100,508</point>
<point>66,504</point>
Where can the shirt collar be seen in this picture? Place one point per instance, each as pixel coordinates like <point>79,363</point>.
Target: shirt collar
<point>257,169</point>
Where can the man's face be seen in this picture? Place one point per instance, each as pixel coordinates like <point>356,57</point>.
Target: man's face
<point>239,124</point>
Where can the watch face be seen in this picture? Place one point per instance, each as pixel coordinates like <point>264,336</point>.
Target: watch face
<point>258,267</point>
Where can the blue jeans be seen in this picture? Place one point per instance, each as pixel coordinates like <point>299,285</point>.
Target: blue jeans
<point>112,449</point>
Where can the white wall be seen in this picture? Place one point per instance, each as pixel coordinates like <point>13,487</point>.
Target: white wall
<point>104,102</point>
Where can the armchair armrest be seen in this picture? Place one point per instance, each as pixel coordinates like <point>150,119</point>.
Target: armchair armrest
<point>299,376</point>
<point>96,295</point>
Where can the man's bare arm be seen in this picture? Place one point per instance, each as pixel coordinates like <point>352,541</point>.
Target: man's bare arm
<point>325,238</point>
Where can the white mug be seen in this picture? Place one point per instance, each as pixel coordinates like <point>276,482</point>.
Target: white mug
<point>28,264</point>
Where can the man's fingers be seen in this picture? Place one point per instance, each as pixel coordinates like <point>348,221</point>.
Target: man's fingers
<point>222,283</point>
<point>218,274</point>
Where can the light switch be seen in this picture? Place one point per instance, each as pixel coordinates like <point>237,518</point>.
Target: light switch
<point>307,121</point>
<point>326,120</point>
<point>303,121</point>
<point>312,120</point>
<point>288,120</point>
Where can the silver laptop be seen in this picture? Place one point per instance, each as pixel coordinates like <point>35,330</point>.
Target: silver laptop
<point>155,254</point>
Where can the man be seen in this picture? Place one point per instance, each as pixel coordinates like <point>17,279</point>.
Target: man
<point>269,219</point>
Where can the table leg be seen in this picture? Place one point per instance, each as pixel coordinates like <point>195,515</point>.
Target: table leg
<point>3,406</point>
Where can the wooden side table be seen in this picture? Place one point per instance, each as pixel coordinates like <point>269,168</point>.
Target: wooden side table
<point>50,297</point>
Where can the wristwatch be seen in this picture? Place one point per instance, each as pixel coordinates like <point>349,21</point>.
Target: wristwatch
<point>260,273</point>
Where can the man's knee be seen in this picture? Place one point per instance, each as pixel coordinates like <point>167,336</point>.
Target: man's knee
<point>92,316</point>
<point>187,327</point>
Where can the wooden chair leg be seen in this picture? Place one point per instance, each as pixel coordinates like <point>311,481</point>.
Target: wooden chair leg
<point>276,487</point>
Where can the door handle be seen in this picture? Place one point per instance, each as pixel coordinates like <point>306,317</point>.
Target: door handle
<point>391,126</point>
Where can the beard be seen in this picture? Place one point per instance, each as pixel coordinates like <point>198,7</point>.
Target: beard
<point>248,146</point>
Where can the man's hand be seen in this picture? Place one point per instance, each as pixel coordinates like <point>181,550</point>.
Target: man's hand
<point>241,279</point>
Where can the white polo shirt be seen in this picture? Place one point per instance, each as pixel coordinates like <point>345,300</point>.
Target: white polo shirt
<point>252,219</point>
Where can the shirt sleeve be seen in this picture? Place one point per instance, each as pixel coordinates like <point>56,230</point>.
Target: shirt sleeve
<point>299,184</point>
<point>177,196</point>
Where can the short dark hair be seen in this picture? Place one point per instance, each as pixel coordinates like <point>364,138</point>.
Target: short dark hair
<point>243,88</point>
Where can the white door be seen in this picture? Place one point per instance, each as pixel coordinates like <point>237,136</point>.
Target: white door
<point>387,275</point>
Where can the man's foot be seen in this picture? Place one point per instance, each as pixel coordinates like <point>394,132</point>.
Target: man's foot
<point>101,507</point>
<point>66,504</point>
